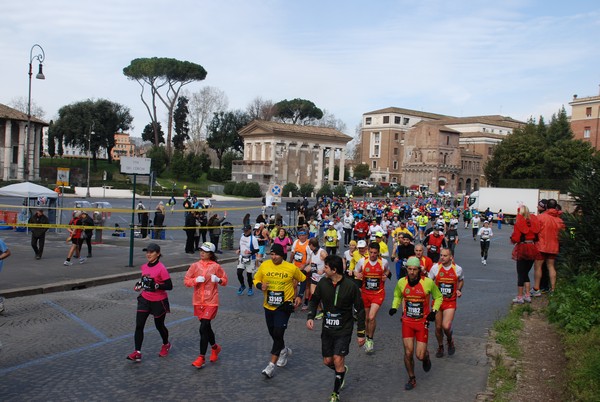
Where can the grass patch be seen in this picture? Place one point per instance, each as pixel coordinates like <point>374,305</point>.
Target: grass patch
<point>583,353</point>
<point>508,329</point>
<point>503,379</point>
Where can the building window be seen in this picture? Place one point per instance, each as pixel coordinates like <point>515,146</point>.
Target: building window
<point>588,112</point>
<point>386,119</point>
<point>376,138</point>
<point>375,151</point>
<point>586,132</point>
<point>396,119</point>
<point>406,120</point>
<point>489,150</point>
<point>374,164</point>
<point>396,136</point>
<point>395,164</point>
<point>447,140</point>
<point>483,129</point>
<point>367,121</point>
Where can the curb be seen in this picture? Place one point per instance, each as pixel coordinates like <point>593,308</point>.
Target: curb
<point>91,282</point>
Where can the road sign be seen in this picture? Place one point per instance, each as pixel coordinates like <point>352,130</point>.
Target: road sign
<point>275,190</point>
<point>131,165</point>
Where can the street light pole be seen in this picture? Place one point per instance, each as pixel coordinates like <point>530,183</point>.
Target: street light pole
<point>87,195</point>
<point>40,57</point>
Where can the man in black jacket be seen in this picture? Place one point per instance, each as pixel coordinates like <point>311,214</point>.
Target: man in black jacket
<point>38,234</point>
<point>341,300</point>
<point>190,231</point>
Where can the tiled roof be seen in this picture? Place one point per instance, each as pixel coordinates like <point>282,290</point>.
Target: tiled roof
<point>496,120</point>
<point>410,112</point>
<point>273,127</point>
<point>9,113</point>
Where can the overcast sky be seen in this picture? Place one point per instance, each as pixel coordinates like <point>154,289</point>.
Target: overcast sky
<point>518,58</point>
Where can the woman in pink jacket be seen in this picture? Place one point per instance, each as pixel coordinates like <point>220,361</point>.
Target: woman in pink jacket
<point>205,276</point>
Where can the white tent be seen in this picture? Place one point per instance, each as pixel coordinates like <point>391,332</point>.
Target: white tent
<point>27,190</point>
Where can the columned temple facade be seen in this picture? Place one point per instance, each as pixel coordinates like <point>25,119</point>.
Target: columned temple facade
<point>19,152</point>
<point>279,153</point>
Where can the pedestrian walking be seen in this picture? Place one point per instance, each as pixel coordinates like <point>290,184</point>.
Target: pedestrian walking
<point>153,285</point>
<point>88,232</point>
<point>205,276</point>
<point>342,305</point>
<point>38,233</point>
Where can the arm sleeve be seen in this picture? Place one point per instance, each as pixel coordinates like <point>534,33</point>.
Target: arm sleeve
<point>166,285</point>
<point>360,313</point>
<point>398,293</point>
<point>437,296</point>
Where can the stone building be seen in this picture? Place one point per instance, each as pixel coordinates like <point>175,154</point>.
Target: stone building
<point>289,153</point>
<point>585,119</point>
<point>430,150</point>
<point>19,150</point>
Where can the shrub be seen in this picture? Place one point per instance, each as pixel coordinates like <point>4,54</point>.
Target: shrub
<point>290,188</point>
<point>219,175</point>
<point>324,190</point>
<point>339,190</point>
<point>306,189</point>
<point>229,187</point>
<point>240,188</point>
<point>252,190</point>
<point>575,305</point>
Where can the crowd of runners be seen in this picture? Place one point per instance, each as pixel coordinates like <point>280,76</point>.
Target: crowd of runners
<point>335,267</point>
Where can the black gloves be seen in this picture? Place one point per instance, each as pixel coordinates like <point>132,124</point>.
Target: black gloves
<point>148,284</point>
<point>431,315</point>
<point>393,311</point>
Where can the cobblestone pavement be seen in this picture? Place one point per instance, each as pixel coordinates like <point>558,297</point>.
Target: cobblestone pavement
<point>72,346</point>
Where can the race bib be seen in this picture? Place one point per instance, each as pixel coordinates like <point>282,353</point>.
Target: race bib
<point>414,309</point>
<point>329,239</point>
<point>246,259</point>
<point>313,267</point>
<point>298,256</point>
<point>275,298</point>
<point>372,283</point>
<point>433,249</point>
<point>446,289</point>
<point>333,321</point>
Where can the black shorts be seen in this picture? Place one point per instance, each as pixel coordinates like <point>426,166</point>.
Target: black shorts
<point>335,345</point>
<point>156,308</point>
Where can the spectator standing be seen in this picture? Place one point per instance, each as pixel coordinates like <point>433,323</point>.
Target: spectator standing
<point>550,226</point>
<point>214,230</point>
<point>87,234</point>
<point>190,232</point>
<point>525,252</point>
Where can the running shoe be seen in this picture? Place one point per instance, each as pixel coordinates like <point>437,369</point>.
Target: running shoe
<point>269,370</point>
<point>440,351</point>
<point>412,382</point>
<point>283,356</point>
<point>82,260</point>
<point>369,345</point>
<point>304,307</point>
<point>482,260</point>
<point>344,380</point>
<point>451,348</point>
<point>67,263</point>
<point>536,293</point>
<point>527,298</point>
<point>335,397</point>
<point>241,290</point>
<point>518,300</point>
<point>319,316</point>
<point>214,353</point>
<point>427,363</point>
<point>250,292</point>
<point>135,356</point>
<point>199,362</point>
<point>164,350</point>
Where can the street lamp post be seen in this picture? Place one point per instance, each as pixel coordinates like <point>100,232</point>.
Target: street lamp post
<point>40,57</point>
<point>87,195</point>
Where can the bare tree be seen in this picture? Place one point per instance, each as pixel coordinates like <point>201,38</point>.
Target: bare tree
<point>20,103</point>
<point>329,120</point>
<point>202,106</point>
<point>353,149</point>
<point>260,109</point>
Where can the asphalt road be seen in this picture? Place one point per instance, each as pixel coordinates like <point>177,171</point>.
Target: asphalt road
<point>72,345</point>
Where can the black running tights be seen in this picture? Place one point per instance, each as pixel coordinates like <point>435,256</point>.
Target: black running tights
<point>206,336</point>
<point>140,323</point>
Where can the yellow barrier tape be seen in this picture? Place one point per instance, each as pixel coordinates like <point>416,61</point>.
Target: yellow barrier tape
<point>167,209</point>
